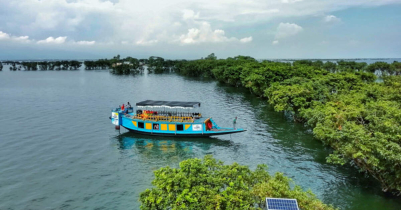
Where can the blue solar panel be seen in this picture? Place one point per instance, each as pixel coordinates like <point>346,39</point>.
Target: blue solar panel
<point>281,204</point>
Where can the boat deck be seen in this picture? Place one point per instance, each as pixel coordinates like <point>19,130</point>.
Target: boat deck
<point>168,119</point>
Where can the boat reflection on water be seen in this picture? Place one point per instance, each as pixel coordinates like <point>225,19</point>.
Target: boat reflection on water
<point>167,146</point>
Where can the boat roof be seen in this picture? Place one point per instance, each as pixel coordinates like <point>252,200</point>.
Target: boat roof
<point>168,104</point>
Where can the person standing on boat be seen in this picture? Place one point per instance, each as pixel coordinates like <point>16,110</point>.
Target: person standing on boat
<point>122,107</point>
<point>127,108</point>
<point>234,122</point>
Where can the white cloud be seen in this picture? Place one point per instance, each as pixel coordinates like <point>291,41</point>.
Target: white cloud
<point>85,42</point>
<point>287,29</point>
<point>51,40</point>
<point>152,17</point>
<point>177,24</point>
<point>161,22</point>
<point>246,39</point>
<point>290,1</point>
<point>22,39</point>
<point>189,14</point>
<point>275,42</point>
<point>331,19</point>
<point>204,34</point>
<point>52,14</point>
<point>146,43</point>
<point>4,35</point>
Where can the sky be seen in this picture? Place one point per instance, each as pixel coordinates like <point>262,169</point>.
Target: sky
<point>184,29</point>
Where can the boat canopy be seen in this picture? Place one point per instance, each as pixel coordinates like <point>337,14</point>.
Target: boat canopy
<point>168,104</point>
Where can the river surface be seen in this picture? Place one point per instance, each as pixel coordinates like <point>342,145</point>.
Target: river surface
<point>58,149</point>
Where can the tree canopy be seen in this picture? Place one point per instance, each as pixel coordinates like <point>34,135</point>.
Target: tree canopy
<point>209,184</point>
<point>342,103</point>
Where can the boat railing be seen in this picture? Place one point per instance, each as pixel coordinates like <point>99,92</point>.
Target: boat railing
<point>167,113</point>
<point>163,118</point>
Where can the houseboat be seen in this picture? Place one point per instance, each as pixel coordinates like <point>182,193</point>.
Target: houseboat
<point>168,118</point>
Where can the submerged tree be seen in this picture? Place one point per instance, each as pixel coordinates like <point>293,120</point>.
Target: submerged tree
<point>13,66</point>
<point>156,64</point>
<point>57,65</point>
<point>43,66</point>
<point>75,65</point>
<point>209,184</point>
<point>28,66</point>
<point>65,65</point>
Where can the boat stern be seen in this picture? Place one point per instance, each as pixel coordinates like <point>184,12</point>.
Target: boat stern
<point>116,117</point>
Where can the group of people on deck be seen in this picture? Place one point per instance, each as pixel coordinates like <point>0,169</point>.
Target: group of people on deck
<point>125,108</point>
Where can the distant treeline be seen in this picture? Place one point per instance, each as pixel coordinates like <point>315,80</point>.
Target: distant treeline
<point>130,65</point>
<point>117,65</point>
<point>43,65</point>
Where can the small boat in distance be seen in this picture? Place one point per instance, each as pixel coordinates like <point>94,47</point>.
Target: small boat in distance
<point>149,118</point>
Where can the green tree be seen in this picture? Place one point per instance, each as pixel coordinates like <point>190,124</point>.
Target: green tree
<point>330,66</point>
<point>65,65</point>
<point>209,184</point>
<point>396,68</point>
<point>75,65</point>
<point>382,67</point>
<point>57,65</point>
<point>52,65</point>
<point>28,66</point>
<point>211,57</point>
<point>351,66</point>
<point>43,66</point>
<point>156,64</point>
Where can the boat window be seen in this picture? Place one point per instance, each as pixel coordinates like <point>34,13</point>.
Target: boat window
<point>180,127</point>
<point>155,126</point>
<point>140,125</point>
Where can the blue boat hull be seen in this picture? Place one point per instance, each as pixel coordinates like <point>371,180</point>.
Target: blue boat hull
<point>185,134</point>
<point>193,128</point>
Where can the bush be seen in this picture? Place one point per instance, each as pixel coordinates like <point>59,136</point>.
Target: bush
<point>209,184</point>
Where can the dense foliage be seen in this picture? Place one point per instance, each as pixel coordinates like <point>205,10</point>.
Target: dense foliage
<point>357,117</point>
<point>342,102</point>
<point>209,184</point>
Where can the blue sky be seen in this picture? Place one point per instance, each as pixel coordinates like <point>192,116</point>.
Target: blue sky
<point>91,29</point>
